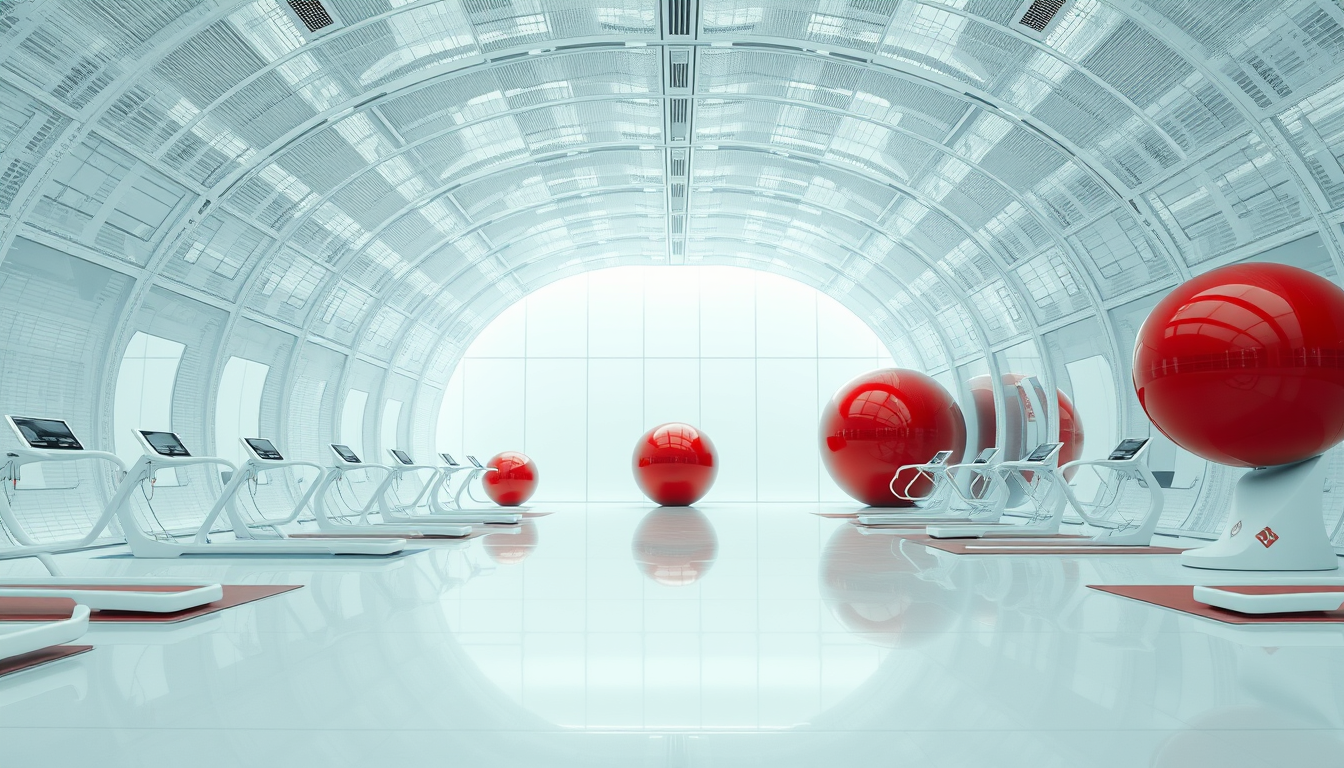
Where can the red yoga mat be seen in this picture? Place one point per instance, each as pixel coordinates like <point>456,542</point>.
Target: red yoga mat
<point>57,608</point>
<point>974,547</point>
<point>38,658</point>
<point>1180,597</point>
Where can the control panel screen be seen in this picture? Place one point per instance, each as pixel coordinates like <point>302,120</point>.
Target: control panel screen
<point>347,455</point>
<point>985,456</point>
<point>264,449</point>
<point>475,462</point>
<point>402,456</point>
<point>1042,452</point>
<point>449,460</point>
<point>940,457</point>
<point>52,434</point>
<point>1128,449</point>
<point>165,443</point>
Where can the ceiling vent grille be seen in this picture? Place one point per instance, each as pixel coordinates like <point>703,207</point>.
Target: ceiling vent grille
<point>678,225</point>
<point>680,18</point>
<point>678,197</point>
<point>679,118</point>
<point>1038,18</point>
<point>679,69</point>
<point>313,15</point>
<point>678,162</point>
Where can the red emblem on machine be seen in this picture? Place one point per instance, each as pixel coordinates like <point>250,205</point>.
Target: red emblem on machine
<point>1267,537</point>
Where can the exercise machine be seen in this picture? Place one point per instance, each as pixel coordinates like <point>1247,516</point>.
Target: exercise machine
<point>982,499</point>
<point>52,440</point>
<point>348,461</point>
<point>164,450</point>
<point>395,513</point>
<point>1126,507</point>
<point>475,471</point>
<point>262,457</point>
<point>1043,488</point>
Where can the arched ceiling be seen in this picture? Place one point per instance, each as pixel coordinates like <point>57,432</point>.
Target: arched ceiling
<point>392,180</point>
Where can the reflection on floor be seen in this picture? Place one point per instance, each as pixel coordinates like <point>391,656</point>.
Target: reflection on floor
<point>731,635</point>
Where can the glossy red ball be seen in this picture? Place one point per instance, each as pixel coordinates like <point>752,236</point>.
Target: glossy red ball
<point>1015,447</point>
<point>1244,365</point>
<point>513,482</point>
<point>675,464</point>
<point>882,420</point>
<point>675,547</point>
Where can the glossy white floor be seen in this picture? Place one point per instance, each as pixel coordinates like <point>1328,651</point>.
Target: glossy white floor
<point>739,635</point>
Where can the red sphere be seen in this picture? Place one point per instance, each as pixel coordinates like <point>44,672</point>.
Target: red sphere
<point>1244,365</point>
<point>1070,427</point>
<point>675,464</point>
<point>513,482</point>
<point>675,547</point>
<point>882,420</point>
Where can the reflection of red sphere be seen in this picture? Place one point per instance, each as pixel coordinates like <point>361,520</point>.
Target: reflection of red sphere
<point>515,480</point>
<point>675,547</point>
<point>511,548</point>
<point>877,593</point>
<point>1070,427</point>
<point>1244,365</point>
<point>675,464</point>
<point>882,420</point>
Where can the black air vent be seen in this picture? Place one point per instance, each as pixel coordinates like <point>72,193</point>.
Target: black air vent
<point>312,14</point>
<point>679,17</point>
<point>679,69</point>
<point>1040,13</point>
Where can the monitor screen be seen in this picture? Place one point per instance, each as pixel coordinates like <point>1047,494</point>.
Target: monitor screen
<point>347,455</point>
<point>402,456</point>
<point>474,462</point>
<point>1128,449</point>
<point>449,460</point>
<point>52,434</point>
<point>263,448</point>
<point>985,456</point>
<point>940,457</point>
<point>1042,452</point>
<point>165,443</point>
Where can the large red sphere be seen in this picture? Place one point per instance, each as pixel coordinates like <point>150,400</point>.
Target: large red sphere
<point>675,547</point>
<point>675,464</point>
<point>1244,365</point>
<point>513,482</point>
<point>1070,427</point>
<point>882,420</point>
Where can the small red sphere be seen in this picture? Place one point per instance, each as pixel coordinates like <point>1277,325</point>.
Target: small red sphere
<point>675,547</point>
<point>882,420</point>
<point>1070,426</point>
<point>675,464</point>
<point>513,482</point>
<point>1244,365</point>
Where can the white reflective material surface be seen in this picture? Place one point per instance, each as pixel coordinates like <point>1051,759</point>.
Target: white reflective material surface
<point>731,635</point>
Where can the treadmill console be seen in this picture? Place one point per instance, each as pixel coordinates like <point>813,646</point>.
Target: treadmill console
<point>475,462</point>
<point>164,443</point>
<point>402,456</point>
<point>985,456</point>
<point>344,453</point>
<point>1042,452</point>
<point>49,434</point>
<point>939,458</point>
<point>263,449</point>
<point>449,460</point>
<point>1128,449</point>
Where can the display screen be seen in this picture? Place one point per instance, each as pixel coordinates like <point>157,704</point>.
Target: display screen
<point>165,443</point>
<point>449,460</point>
<point>985,456</point>
<point>1128,449</point>
<point>264,448</point>
<point>346,454</point>
<point>52,434</point>
<point>474,461</point>
<point>402,456</point>
<point>1042,452</point>
<point>940,457</point>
